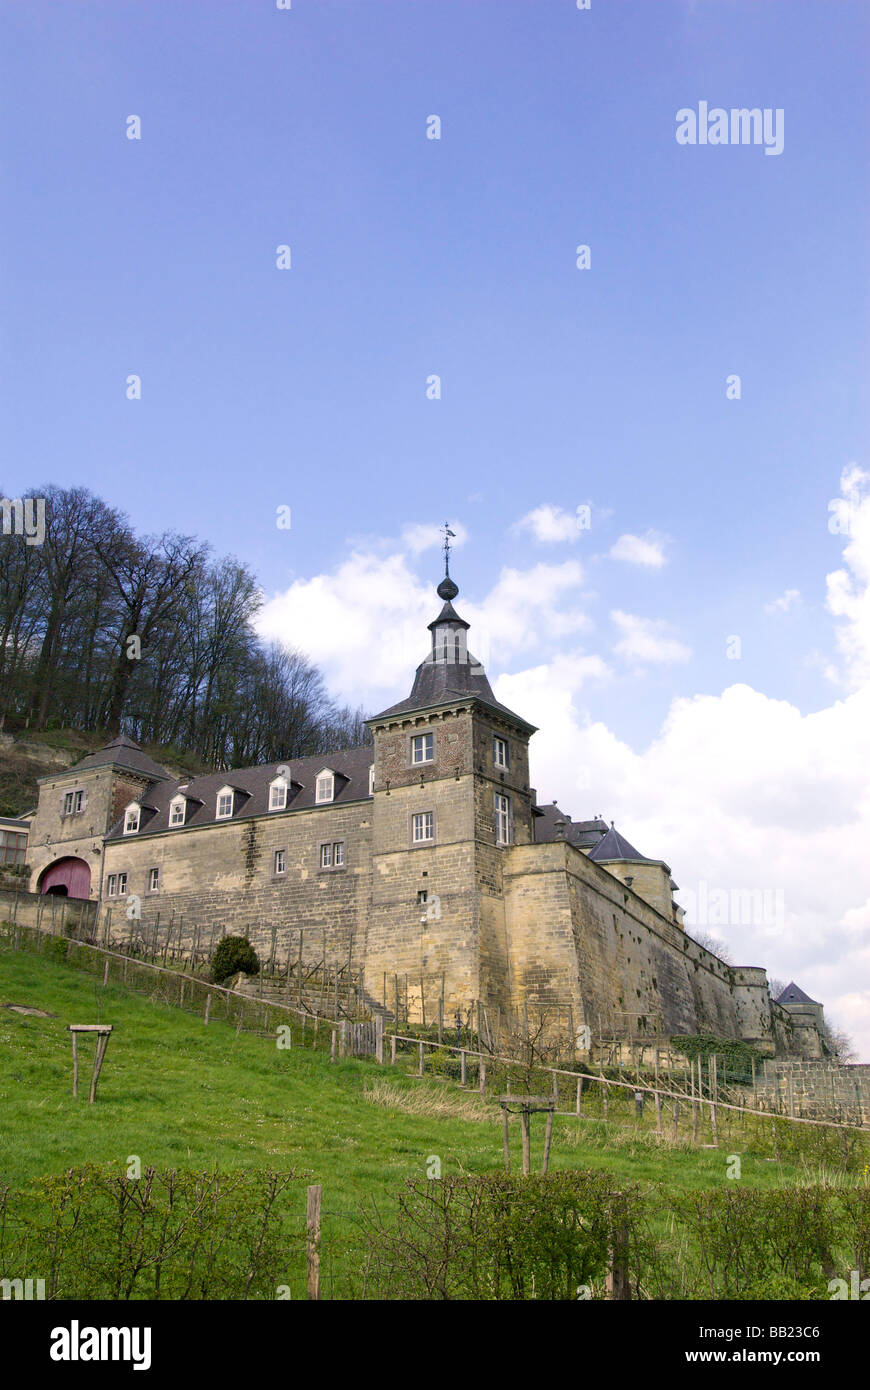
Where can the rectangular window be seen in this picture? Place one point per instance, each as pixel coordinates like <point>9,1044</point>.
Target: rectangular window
<point>372,780</point>
<point>338,854</point>
<point>153,880</point>
<point>325,787</point>
<point>326,856</point>
<point>278,797</point>
<point>500,752</point>
<point>422,748</point>
<point>423,827</point>
<point>79,801</point>
<point>12,847</point>
<point>131,821</point>
<point>502,819</point>
<point>280,861</point>
<point>68,803</point>
<point>176,813</point>
<point>111,885</point>
<point>225,806</point>
<point>122,885</point>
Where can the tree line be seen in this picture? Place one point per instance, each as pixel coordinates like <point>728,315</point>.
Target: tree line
<point>151,636</point>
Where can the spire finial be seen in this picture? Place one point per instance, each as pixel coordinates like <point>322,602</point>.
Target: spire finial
<point>448,536</point>
<point>447,589</point>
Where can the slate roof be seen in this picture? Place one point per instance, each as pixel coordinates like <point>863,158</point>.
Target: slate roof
<point>350,765</point>
<point>440,682</point>
<point>613,846</point>
<point>793,994</point>
<point>14,823</point>
<point>121,752</point>
<point>583,834</point>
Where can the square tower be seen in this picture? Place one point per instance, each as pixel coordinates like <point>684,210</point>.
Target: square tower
<point>451,795</point>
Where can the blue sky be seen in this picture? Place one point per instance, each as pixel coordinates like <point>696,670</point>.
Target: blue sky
<point>456,256</point>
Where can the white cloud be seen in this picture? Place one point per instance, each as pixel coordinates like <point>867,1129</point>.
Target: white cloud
<point>849,587</point>
<point>646,641</point>
<point>647,550</point>
<point>784,602</point>
<point>550,525</point>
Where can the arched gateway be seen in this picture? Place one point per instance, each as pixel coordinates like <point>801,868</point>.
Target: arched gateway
<point>68,878</point>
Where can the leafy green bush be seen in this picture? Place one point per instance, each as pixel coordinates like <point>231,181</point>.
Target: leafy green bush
<point>56,948</point>
<point>503,1236</point>
<point>232,954</point>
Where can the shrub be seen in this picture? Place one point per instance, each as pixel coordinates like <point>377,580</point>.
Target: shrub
<point>232,954</point>
<point>56,947</point>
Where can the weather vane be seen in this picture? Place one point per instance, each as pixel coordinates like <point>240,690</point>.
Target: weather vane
<point>448,535</point>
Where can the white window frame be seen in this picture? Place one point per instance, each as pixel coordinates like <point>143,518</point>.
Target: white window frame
<point>122,885</point>
<point>421,739</point>
<point>154,879</point>
<point>73,802</point>
<point>326,775</point>
<point>326,855</point>
<point>500,745</point>
<point>111,885</point>
<point>502,814</point>
<point>223,794</point>
<point>338,854</point>
<point>426,819</point>
<point>174,803</point>
<point>278,784</point>
<point>132,813</point>
<point>279,863</point>
<point>372,780</point>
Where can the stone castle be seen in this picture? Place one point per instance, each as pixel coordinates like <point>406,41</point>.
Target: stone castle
<point>425,856</point>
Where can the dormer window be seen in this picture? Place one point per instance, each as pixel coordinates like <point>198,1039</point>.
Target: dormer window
<point>177,808</point>
<point>131,819</point>
<point>278,794</point>
<point>325,787</point>
<point>372,780</point>
<point>225,798</point>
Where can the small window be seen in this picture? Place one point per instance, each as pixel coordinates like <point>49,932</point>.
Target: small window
<point>338,854</point>
<point>224,803</point>
<point>79,801</point>
<point>280,861</point>
<point>122,885</point>
<point>131,820</point>
<point>278,795</point>
<point>325,790</point>
<point>500,752</point>
<point>423,827</point>
<point>112,885</point>
<point>153,880</point>
<point>73,802</point>
<point>176,811</point>
<point>68,804</point>
<point>422,748</point>
<point>422,897</point>
<point>326,856</point>
<point>502,819</point>
<point>372,780</point>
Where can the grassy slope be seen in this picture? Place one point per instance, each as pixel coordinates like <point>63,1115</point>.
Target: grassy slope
<point>182,1095</point>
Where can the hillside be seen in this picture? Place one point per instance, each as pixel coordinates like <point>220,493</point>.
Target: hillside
<point>189,1100</point>
<point>24,758</point>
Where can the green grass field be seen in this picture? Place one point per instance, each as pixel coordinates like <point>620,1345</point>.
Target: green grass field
<point>179,1094</point>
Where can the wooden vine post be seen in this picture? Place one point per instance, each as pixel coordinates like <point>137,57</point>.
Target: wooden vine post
<point>102,1031</point>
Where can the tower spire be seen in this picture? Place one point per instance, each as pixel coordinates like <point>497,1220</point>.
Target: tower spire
<point>447,589</point>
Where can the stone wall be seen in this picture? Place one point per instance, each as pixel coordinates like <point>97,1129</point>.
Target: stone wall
<point>224,874</point>
<point>575,935</point>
